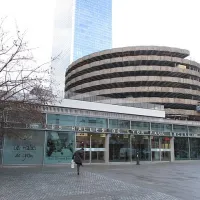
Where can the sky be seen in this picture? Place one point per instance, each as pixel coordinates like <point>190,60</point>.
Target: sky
<point>135,22</point>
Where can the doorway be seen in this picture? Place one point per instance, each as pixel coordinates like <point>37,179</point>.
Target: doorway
<point>160,148</point>
<point>94,146</point>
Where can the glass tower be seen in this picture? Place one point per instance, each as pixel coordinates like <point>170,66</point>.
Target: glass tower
<point>81,27</point>
<point>93,27</point>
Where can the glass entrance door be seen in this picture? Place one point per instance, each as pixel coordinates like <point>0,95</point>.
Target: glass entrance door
<point>94,146</point>
<point>160,148</point>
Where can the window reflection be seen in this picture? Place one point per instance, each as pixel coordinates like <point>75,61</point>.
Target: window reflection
<point>115,123</point>
<point>59,147</point>
<point>142,145</point>
<point>65,120</point>
<point>195,148</point>
<point>92,122</point>
<point>140,125</point>
<point>180,128</point>
<point>161,127</point>
<point>181,149</point>
<point>119,148</point>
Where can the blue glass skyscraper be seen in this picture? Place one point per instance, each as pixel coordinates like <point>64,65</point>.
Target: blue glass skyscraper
<point>81,27</point>
<point>93,27</point>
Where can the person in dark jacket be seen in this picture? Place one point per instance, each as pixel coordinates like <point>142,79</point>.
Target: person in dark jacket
<point>77,157</point>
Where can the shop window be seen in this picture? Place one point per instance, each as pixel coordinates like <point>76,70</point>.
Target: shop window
<point>179,128</point>
<point>181,148</point>
<point>194,129</point>
<point>23,147</point>
<point>92,122</point>
<point>141,144</point>
<point>195,148</point>
<point>59,147</point>
<point>121,124</point>
<point>119,148</point>
<point>155,144</point>
<point>165,143</point>
<point>161,127</point>
<point>63,120</point>
<point>1,147</point>
<point>140,125</point>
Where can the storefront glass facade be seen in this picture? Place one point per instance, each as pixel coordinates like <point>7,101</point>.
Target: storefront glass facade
<point>59,147</point>
<point>23,147</point>
<point>104,140</point>
<point>181,148</point>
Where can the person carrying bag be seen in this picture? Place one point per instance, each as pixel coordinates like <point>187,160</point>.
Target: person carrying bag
<point>77,158</point>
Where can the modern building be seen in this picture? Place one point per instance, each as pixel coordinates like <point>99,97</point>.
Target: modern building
<point>81,28</point>
<point>108,133</point>
<point>145,105</point>
<point>135,75</point>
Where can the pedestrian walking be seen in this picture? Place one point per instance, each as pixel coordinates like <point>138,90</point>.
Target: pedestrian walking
<point>77,157</point>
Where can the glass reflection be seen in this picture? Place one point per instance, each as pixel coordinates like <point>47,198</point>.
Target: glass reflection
<point>59,147</point>
<point>92,122</point>
<point>65,120</point>
<point>195,148</point>
<point>141,144</point>
<point>119,148</point>
<point>1,148</point>
<point>181,148</point>
<point>121,124</point>
<point>144,126</point>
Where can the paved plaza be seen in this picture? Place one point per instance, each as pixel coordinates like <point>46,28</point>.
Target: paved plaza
<point>161,181</point>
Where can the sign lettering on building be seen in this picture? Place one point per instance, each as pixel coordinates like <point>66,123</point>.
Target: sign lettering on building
<point>119,131</point>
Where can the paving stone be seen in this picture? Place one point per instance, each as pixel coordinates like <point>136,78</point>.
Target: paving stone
<point>65,184</point>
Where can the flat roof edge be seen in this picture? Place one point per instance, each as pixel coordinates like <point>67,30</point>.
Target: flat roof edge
<point>94,106</point>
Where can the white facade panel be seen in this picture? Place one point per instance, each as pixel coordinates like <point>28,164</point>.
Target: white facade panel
<point>110,108</point>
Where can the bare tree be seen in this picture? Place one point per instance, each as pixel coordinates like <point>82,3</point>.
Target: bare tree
<point>24,86</point>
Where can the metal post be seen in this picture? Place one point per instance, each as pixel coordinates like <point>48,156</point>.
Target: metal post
<point>138,161</point>
<point>137,154</point>
<point>172,149</point>
<point>107,148</point>
<point>150,143</point>
<point>2,151</point>
<point>189,148</point>
<point>130,147</point>
<point>90,148</point>
<point>188,132</point>
<point>131,144</point>
<point>44,148</point>
<point>159,143</point>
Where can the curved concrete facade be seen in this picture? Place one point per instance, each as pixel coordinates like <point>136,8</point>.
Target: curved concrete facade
<point>148,74</point>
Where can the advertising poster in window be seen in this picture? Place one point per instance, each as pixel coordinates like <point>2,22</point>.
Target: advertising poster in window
<point>24,147</point>
<point>59,147</point>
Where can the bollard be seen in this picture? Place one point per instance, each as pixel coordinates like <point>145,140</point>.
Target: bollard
<point>138,161</point>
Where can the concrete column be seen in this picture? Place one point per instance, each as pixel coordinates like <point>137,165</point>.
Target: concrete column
<point>172,149</point>
<point>106,153</point>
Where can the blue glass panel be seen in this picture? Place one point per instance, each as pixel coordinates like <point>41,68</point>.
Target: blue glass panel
<point>161,127</point>
<point>121,124</point>
<point>92,122</point>
<point>194,129</point>
<point>59,147</point>
<point>180,128</point>
<point>140,125</point>
<point>66,120</point>
<point>24,147</point>
<point>93,27</point>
